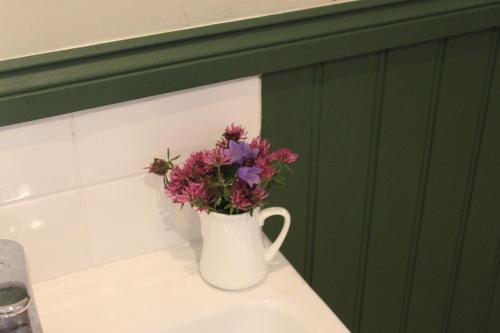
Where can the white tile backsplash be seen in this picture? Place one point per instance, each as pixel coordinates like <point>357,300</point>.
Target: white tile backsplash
<point>128,217</point>
<point>52,232</point>
<point>36,158</point>
<point>121,139</point>
<point>73,189</point>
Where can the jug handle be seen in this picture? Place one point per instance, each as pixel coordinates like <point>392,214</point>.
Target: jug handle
<point>271,251</point>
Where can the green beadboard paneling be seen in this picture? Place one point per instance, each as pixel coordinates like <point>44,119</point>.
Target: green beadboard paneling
<point>475,290</point>
<point>484,210</point>
<point>404,183</point>
<point>346,122</point>
<point>493,322</point>
<point>462,84</point>
<point>293,93</point>
<point>401,147</point>
<point>482,228</point>
<point>434,85</point>
<point>492,317</point>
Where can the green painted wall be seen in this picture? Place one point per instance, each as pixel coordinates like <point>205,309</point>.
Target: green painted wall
<point>395,197</point>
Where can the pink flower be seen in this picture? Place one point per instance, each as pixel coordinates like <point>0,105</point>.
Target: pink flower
<point>235,133</point>
<point>177,193</point>
<point>245,197</point>
<point>182,190</point>
<point>232,132</point>
<point>284,155</point>
<point>261,144</point>
<point>176,188</point>
<point>178,174</point>
<point>265,165</point>
<point>216,156</point>
<point>196,191</point>
<point>159,167</point>
<point>196,166</point>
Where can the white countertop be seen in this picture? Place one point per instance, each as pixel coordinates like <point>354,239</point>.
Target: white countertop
<point>157,292</point>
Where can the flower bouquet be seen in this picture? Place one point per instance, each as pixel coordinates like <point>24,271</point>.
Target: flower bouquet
<point>228,186</point>
<point>232,178</point>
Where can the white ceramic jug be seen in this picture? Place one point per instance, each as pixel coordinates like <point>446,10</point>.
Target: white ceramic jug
<point>233,255</point>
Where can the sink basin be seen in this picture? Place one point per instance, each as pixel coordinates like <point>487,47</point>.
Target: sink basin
<point>257,317</point>
<point>162,292</point>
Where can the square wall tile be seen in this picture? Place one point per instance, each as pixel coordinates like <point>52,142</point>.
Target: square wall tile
<point>52,232</point>
<point>36,158</point>
<point>130,217</point>
<point>120,140</point>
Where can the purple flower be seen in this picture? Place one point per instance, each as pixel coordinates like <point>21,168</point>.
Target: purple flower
<point>240,151</point>
<point>249,174</point>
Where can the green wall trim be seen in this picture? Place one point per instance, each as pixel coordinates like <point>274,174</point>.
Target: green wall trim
<point>66,81</point>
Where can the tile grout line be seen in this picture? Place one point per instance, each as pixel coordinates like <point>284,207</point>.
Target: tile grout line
<point>38,196</point>
<point>70,189</point>
<point>83,210</point>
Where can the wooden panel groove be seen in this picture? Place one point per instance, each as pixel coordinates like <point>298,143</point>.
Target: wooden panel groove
<point>479,291</point>
<point>422,187</point>
<point>405,117</point>
<point>346,118</point>
<point>314,163</point>
<point>493,289</point>
<point>464,70</point>
<point>291,91</point>
<point>370,185</point>
<point>488,81</point>
<point>492,286</point>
